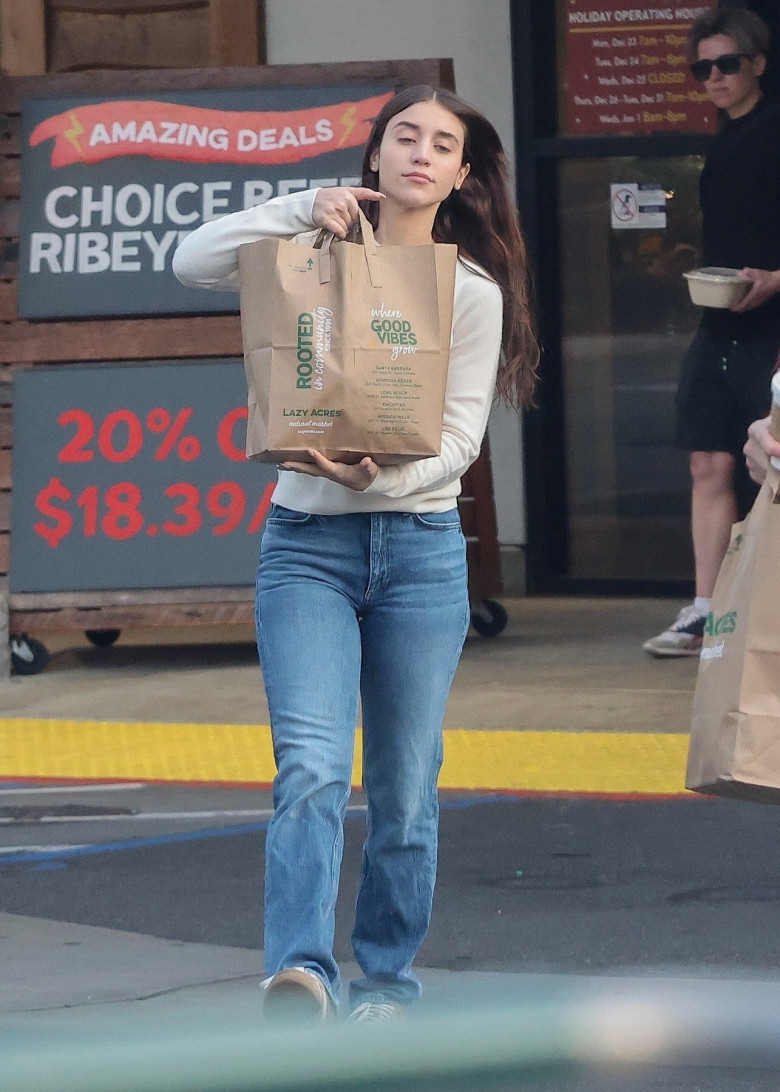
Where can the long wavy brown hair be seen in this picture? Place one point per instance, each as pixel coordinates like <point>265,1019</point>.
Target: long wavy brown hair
<point>481,219</point>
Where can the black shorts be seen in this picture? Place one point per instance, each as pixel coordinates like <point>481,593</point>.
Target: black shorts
<point>724,387</point>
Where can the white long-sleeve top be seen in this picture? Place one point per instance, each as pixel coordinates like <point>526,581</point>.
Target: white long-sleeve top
<point>208,258</point>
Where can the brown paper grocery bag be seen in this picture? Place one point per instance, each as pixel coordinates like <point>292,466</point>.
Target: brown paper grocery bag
<point>346,347</point>
<point>735,734</point>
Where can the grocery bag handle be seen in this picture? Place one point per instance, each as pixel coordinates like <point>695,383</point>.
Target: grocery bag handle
<point>363,228</point>
<point>322,243</point>
<point>370,247</point>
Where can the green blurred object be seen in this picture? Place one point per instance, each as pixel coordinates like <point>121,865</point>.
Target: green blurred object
<point>213,1053</point>
<point>498,1042</point>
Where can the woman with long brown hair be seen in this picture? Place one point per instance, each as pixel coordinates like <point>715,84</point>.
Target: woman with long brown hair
<point>362,585</point>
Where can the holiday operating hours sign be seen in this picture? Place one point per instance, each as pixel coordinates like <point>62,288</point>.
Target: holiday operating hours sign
<point>627,70</point>
<point>134,476</point>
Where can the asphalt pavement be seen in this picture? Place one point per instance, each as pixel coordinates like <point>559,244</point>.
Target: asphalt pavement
<point>131,901</point>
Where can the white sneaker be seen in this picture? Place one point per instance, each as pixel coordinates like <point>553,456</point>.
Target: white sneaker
<point>683,638</point>
<point>296,994</point>
<point>374,1012</point>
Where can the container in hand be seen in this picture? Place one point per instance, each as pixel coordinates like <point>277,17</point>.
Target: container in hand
<point>715,286</point>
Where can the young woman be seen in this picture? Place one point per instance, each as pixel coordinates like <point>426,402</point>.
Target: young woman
<point>361,587</point>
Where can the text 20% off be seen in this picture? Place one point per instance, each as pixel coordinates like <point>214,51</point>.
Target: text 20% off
<point>121,436</point>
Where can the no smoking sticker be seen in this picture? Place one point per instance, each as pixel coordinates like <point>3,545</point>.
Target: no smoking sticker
<point>625,206</point>
<point>637,205</point>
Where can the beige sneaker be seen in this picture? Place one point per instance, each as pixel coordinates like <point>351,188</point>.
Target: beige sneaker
<point>296,994</point>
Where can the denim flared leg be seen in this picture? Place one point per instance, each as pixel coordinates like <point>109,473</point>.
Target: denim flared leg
<point>413,630</point>
<point>309,645</point>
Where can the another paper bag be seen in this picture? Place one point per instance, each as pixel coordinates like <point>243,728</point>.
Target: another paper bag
<point>735,734</point>
<point>346,347</point>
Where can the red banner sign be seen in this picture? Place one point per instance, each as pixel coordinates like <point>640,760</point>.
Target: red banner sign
<point>164,130</point>
<point>627,70</point>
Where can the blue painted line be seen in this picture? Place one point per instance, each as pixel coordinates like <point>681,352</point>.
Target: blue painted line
<point>473,801</point>
<point>23,857</point>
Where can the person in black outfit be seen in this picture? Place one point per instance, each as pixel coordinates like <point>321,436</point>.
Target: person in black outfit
<point>726,373</point>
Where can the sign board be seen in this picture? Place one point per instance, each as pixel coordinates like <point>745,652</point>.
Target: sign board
<point>134,476</point>
<point>111,185</point>
<point>627,70</point>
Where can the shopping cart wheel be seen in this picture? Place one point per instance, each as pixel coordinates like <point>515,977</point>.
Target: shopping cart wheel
<point>102,638</point>
<point>489,618</point>
<point>28,656</point>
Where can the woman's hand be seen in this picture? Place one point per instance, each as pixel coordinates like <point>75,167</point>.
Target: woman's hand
<point>765,285</point>
<point>760,447</point>
<point>357,476</point>
<point>336,207</point>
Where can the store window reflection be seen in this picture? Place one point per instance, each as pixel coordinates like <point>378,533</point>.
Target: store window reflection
<point>627,321</point>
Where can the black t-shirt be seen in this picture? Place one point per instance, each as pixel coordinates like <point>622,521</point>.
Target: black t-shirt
<point>740,201</point>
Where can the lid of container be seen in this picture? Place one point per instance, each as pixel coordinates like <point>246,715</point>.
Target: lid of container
<point>715,274</point>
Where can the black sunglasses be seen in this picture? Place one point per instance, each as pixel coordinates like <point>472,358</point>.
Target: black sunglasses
<point>727,63</point>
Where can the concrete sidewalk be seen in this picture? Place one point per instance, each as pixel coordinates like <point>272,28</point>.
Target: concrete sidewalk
<point>561,664</point>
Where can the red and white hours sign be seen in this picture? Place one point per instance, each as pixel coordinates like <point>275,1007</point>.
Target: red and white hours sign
<point>627,70</point>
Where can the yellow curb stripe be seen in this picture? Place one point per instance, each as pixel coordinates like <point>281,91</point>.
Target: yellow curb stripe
<point>593,762</point>
<point>586,762</point>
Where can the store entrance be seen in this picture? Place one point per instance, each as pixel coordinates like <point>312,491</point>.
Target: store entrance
<point>626,321</point>
<point>611,133</point>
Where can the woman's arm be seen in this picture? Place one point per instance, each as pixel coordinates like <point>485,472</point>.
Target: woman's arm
<point>208,256</point>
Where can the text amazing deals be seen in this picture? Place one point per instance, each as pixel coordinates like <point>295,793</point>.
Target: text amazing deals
<point>177,165</point>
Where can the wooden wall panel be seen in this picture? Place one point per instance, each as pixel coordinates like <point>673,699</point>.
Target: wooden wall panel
<point>403,73</point>
<point>6,428</point>
<point>108,616</point>
<point>10,215</point>
<point>5,469</point>
<point>98,34</point>
<point>126,339</point>
<point>9,258</point>
<point>237,32</point>
<point>22,37</point>
<point>80,40</point>
<point>7,300</point>
<point>10,128</point>
<point>123,7</point>
<point>10,176</point>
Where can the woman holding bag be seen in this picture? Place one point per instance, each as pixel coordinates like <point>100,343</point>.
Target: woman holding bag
<point>362,585</point>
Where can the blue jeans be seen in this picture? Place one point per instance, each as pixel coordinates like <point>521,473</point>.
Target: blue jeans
<point>371,606</point>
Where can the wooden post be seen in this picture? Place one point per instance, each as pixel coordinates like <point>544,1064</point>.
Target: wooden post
<point>5,641</point>
<point>22,37</point>
<point>237,33</point>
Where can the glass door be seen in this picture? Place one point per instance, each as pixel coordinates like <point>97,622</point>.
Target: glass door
<point>628,230</point>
